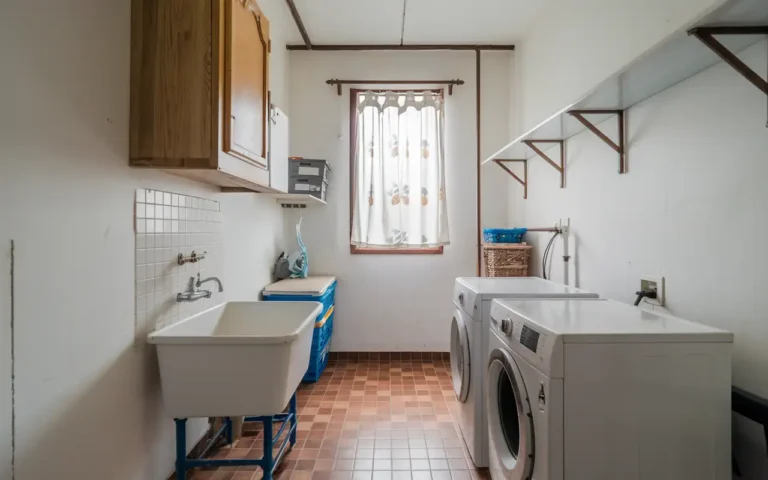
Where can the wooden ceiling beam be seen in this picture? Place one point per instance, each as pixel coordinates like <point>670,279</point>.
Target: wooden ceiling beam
<point>299,24</point>
<point>396,47</point>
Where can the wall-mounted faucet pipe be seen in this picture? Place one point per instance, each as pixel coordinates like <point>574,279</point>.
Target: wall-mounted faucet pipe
<point>564,229</point>
<point>209,279</point>
<point>192,294</point>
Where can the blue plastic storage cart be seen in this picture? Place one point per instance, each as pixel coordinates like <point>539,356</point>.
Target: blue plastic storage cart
<point>311,289</point>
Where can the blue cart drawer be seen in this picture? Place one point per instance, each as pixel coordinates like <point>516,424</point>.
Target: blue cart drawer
<point>312,289</point>
<point>321,346</point>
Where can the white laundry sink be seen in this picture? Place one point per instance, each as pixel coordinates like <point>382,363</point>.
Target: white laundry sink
<point>238,358</point>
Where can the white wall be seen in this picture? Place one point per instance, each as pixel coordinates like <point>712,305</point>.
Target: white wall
<point>496,113</point>
<point>572,46</point>
<point>385,302</point>
<point>66,197</point>
<point>691,208</point>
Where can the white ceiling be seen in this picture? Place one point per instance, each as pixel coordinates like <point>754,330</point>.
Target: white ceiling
<point>426,21</point>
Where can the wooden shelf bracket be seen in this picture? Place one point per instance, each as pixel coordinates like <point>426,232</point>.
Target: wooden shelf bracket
<point>560,168</point>
<point>706,36</point>
<point>522,181</point>
<point>619,148</point>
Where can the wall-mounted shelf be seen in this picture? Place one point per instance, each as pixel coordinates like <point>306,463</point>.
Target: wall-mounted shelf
<point>682,56</point>
<point>297,200</point>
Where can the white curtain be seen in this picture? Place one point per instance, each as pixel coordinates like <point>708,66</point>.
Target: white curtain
<point>399,199</point>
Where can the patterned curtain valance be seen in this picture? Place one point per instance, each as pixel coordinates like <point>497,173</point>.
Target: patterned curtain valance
<point>402,102</point>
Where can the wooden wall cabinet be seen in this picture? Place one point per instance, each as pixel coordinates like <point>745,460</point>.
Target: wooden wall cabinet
<point>200,90</point>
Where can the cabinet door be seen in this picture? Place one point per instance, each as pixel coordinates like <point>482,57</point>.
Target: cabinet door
<point>171,84</point>
<point>246,85</point>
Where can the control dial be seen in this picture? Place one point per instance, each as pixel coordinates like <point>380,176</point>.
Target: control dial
<point>506,326</point>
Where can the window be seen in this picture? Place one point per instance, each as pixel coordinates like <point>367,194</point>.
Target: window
<point>398,197</point>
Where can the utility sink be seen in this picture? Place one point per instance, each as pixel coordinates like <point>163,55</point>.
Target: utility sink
<point>238,358</point>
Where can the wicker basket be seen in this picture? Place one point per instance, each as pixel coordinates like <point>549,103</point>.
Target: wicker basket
<point>506,259</point>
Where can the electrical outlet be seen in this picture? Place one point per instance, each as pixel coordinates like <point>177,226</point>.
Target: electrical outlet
<point>653,282</point>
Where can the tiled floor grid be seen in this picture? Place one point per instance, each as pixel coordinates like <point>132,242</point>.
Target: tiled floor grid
<point>370,417</point>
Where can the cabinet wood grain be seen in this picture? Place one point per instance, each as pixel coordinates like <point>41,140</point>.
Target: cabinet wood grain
<point>199,90</point>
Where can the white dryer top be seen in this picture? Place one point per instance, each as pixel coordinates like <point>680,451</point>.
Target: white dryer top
<point>469,293</point>
<point>519,287</point>
<point>574,321</point>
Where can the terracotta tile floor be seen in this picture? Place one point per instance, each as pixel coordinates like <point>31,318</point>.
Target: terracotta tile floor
<point>390,417</point>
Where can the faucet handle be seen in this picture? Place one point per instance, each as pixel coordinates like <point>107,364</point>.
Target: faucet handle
<point>191,284</point>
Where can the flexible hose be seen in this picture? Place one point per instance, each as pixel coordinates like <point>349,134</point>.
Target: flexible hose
<point>546,254</point>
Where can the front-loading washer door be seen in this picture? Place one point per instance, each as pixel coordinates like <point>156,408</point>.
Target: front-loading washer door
<point>509,418</point>
<point>460,355</point>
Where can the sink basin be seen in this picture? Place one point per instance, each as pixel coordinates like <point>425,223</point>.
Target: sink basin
<point>238,358</point>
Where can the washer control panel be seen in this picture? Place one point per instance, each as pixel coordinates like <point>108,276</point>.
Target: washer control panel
<point>529,338</point>
<point>533,340</point>
<point>536,345</point>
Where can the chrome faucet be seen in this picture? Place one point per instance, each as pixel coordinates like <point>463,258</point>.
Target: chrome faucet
<point>192,294</point>
<point>209,279</point>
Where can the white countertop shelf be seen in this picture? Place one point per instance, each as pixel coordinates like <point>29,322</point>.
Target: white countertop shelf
<point>680,57</point>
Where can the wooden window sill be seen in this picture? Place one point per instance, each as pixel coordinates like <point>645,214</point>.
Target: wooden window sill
<point>395,251</point>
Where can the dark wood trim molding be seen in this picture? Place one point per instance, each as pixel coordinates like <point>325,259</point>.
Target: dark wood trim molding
<point>396,47</point>
<point>478,269</point>
<point>299,24</point>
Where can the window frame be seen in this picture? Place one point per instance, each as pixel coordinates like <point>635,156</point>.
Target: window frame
<point>354,249</point>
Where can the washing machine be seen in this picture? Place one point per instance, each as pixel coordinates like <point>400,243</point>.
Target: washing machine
<point>606,391</point>
<point>469,343</point>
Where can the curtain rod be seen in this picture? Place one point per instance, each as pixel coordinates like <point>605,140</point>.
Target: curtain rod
<point>450,83</point>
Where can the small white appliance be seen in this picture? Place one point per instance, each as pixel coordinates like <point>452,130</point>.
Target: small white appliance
<point>606,391</point>
<point>469,344</point>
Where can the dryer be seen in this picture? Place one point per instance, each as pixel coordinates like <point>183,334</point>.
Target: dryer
<point>604,391</point>
<point>469,344</point>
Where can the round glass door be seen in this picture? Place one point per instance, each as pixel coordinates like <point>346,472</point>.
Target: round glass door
<point>460,356</point>
<point>509,418</point>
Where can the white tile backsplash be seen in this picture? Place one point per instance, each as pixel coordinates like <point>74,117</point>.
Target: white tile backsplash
<point>167,224</point>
